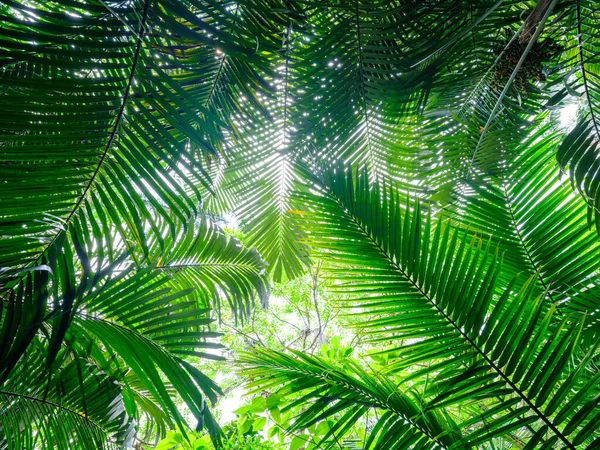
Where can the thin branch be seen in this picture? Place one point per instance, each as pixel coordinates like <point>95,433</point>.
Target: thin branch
<point>246,335</point>
<point>315,297</point>
<point>254,329</point>
<point>285,321</point>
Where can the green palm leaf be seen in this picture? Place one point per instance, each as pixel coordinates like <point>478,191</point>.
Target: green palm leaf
<point>538,223</point>
<point>133,133</point>
<point>76,406</point>
<point>439,298</point>
<point>123,122</point>
<point>215,267</point>
<point>147,319</point>
<point>578,152</point>
<point>346,395</point>
<point>259,180</point>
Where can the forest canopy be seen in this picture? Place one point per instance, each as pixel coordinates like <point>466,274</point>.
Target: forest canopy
<point>297,225</point>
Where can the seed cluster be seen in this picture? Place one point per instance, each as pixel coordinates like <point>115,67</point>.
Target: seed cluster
<point>532,69</point>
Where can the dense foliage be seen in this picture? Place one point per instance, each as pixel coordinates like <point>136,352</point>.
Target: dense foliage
<point>407,164</point>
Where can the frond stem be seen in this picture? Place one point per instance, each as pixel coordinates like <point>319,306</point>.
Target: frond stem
<point>375,403</point>
<point>462,34</point>
<point>199,265</point>
<point>222,62</point>
<point>113,133</point>
<point>525,247</point>
<point>483,79</point>
<point>285,81</point>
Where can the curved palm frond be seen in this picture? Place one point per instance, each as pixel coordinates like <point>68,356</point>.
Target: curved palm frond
<point>109,105</point>
<point>147,319</point>
<point>150,345</point>
<point>257,184</point>
<point>455,60</point>
<point>262,182</point>
<point>346,395</point>
<point>46,299</point>
<point>104,150</point>
<point>437,296</point>
<point>216,267</point>
<point>124,120</point>
<point>539,224</point>
<point>78,405</point>
<point>578,153</point>
<point>347,104</point>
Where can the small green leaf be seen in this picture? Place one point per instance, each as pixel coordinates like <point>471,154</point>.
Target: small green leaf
<point>259,424</point>
<point>298,441</point>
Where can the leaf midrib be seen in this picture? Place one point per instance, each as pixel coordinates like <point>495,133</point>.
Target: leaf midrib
<point>376,403</point>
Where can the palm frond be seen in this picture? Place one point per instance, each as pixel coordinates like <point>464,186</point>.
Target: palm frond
<point>143,318</point>
<point>216,267</point>
<point>539,224</point>
<point>347,105</point>
<point>578,154</point>
<point>46,296</point>
<point>105,89</point>
<point>345,395</point>
<point>79,405</point>
<point>258,182</point>
<point>438,298</point>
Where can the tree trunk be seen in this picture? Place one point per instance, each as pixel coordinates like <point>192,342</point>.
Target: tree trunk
<point>533,20</point>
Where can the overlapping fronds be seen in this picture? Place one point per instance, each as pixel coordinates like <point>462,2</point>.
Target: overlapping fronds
<point>115,115</point>
<point>217,268</point>
<point>77,406</point>
<point>50,391</point>
<point>539,224</point>
<point>578,153</point>
<point>123,123</point>
<point>459,336</point>
<point>329,391</point>
<point>350,101</point>
<point>257,183</point>
<point>125,319</point>
<point>109,317</point>
<point>111,112</point>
